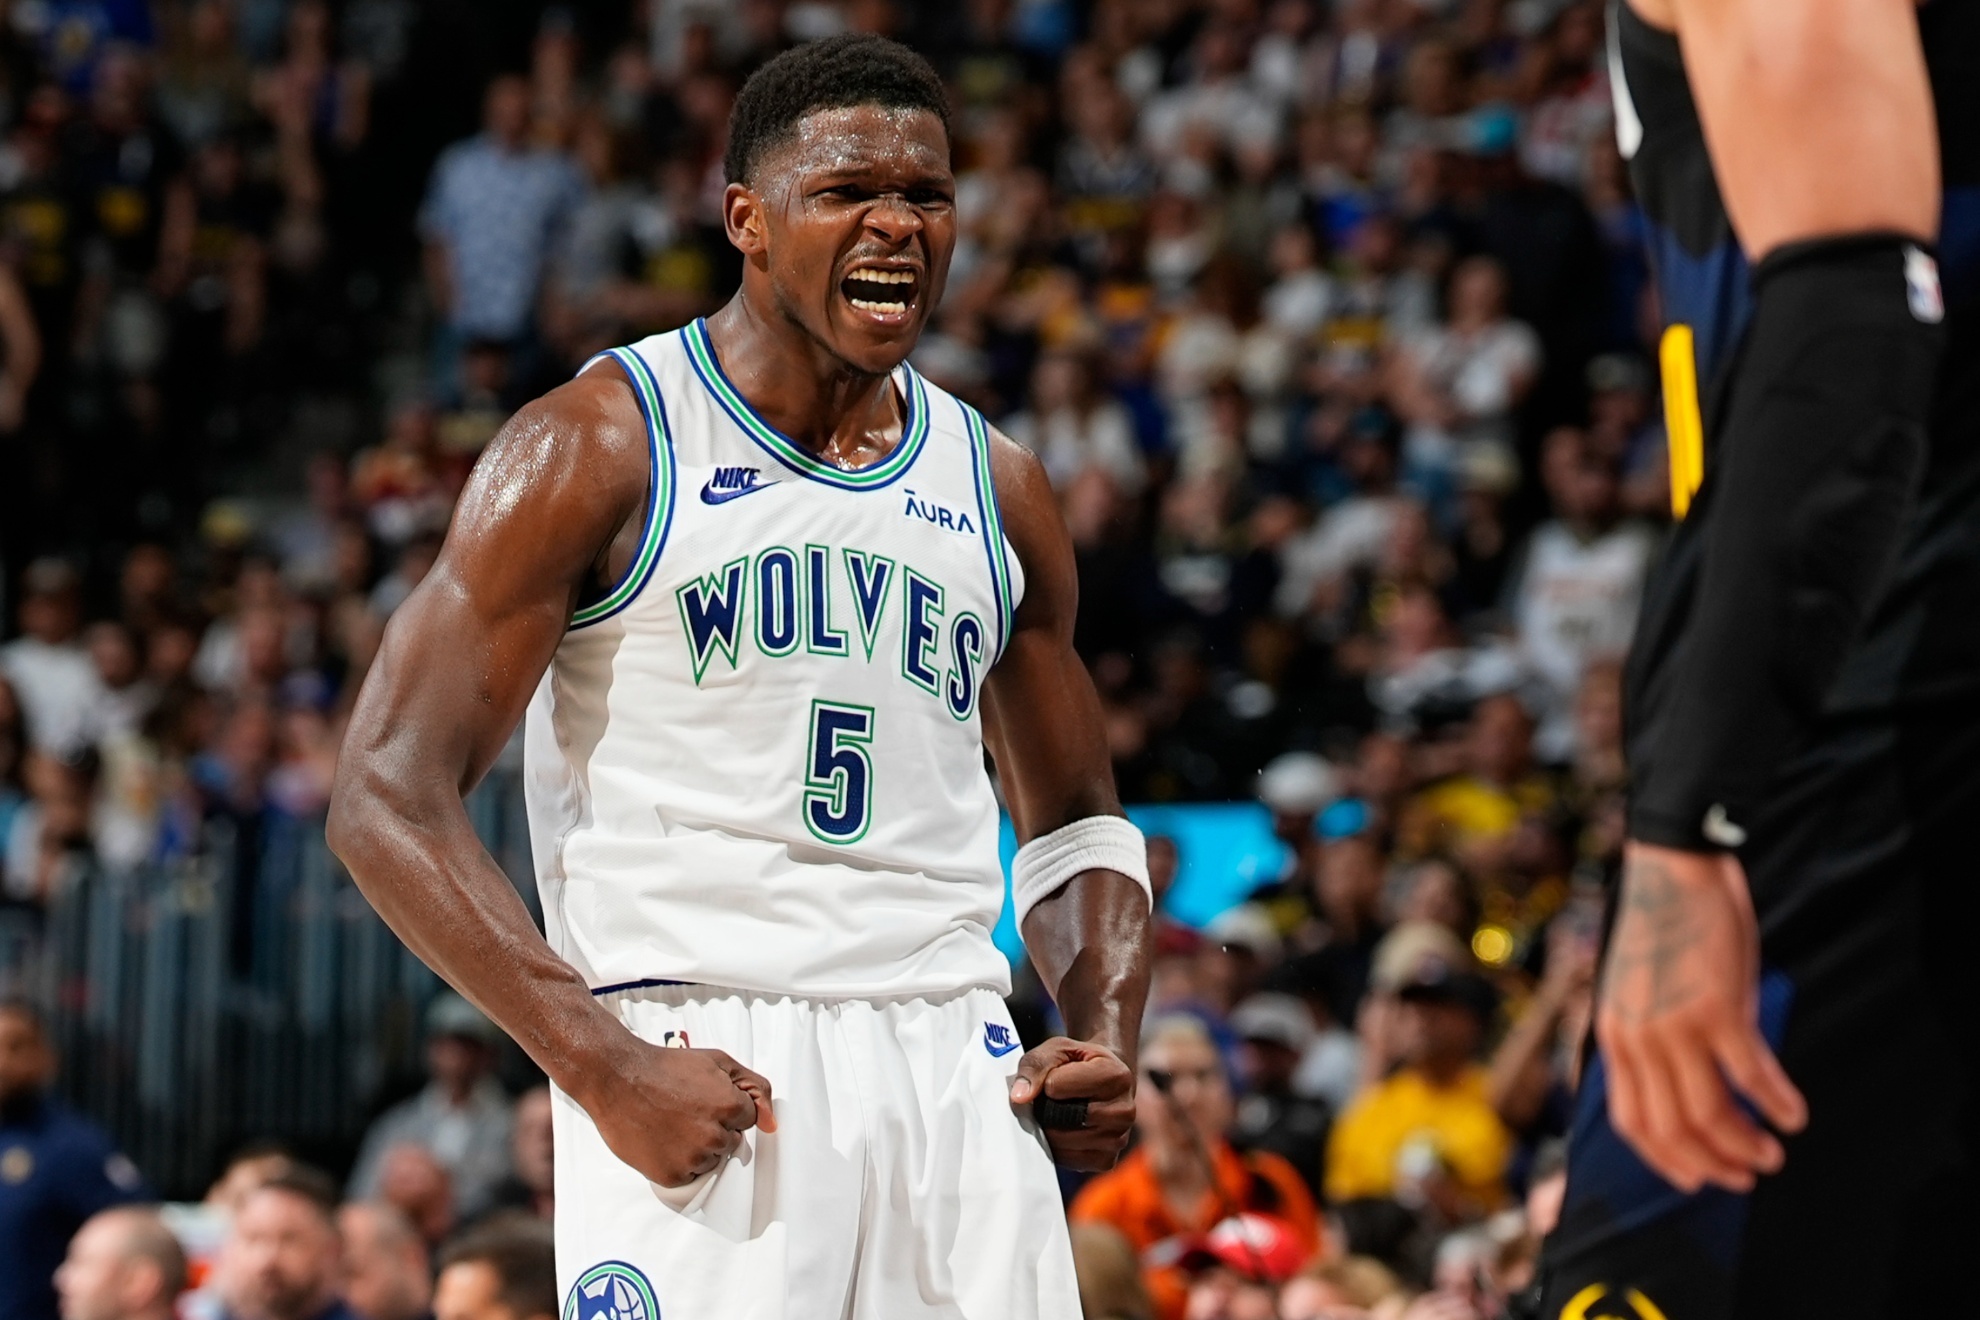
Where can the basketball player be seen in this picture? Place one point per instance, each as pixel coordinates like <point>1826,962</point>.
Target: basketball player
<point>767,595</point>
<point>1782,1118</point>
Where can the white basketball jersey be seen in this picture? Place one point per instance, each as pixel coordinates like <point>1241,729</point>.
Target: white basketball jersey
<point>758,761</point>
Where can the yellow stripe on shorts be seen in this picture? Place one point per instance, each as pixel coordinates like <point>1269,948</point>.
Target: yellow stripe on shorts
<point>1682,422</point>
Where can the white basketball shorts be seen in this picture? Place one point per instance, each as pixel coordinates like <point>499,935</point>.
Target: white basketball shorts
<point>899,1184</point>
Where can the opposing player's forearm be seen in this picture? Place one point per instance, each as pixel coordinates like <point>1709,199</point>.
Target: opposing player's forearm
<point>415,856</point>
<point>1819,455</point>
<point>1089,942</point>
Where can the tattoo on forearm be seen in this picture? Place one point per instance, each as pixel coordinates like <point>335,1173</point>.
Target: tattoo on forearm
<point>1647,973</point>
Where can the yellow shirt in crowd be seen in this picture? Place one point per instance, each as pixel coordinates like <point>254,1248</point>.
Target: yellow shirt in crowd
<point>1457,1122</point>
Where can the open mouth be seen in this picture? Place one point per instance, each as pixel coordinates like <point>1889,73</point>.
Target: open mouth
<point>883,294</point>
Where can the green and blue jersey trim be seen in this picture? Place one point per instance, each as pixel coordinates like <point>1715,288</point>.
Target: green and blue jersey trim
<point>993,524</point>
<point>914,430</point>
<point>660,503</point>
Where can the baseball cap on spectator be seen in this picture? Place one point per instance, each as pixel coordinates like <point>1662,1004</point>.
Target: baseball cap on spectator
<point>451,1015</point>
<point>1247,926</point>
<point>1256,1246</point>
<point>1275,1017</point>
<point>1298,784</point>
<point>1413,950</point>
<point>1425,962</point>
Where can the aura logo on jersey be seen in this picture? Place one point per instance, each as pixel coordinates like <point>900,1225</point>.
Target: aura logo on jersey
<point>611,1290</point>
<point>938,514</point>
<point>783,601</point>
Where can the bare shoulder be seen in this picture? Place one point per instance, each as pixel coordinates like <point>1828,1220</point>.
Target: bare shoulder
<point>571,464</point>
<point>1030,511</point>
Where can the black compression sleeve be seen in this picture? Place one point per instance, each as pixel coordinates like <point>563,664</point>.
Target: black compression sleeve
<point>1816,463</point>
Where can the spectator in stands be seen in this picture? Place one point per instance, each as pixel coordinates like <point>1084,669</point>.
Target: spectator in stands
<point>413,1182</point>
<point>47,665</point>
<point>57,1169</point>
<point>532,1186</point>
<point>1109,1274</point>
<point>1344,1288</point>
<point>387,1275</point>
<point>461,1119</point>
<point>1425,1134</point>
<point>1236,1268</point>
<point>1274,1032</point>
<point>1458,385</point>
<point>506,1270</point>
<point>1074,429</point>
<point>124,1264</point>
<point>491,219</point>
<point>1576,596</point>
<point>1184,1176</point>
<point>284,1260</point>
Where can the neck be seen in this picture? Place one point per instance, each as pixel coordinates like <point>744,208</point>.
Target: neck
<point>1442,1072</point>
<point>814,397</point>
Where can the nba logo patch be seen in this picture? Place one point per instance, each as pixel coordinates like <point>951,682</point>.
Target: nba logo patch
<point>1921,286</point>
<point>612,1290</point>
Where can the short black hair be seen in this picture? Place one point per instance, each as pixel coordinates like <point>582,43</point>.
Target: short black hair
<point>523,1255</point>
<point>308,1184</point>
<point>826,75</point>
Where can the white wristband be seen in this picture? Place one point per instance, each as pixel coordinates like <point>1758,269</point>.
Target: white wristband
<point>1095,843</point>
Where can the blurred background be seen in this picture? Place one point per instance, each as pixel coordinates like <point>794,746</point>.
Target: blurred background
<point>1329,320</point>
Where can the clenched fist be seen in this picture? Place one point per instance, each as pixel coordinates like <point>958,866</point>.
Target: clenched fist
<point>675,1114</point>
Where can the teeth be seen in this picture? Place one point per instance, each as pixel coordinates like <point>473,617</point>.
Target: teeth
<point>885,276</point>
<point>868,305</point>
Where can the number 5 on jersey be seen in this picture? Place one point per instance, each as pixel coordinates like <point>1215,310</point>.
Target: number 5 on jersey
<point>838,780</point>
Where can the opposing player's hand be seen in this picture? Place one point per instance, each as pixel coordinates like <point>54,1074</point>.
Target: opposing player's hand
<point>675,1114</point>
<point>1678,1020</point>
<point>1081,1070</point>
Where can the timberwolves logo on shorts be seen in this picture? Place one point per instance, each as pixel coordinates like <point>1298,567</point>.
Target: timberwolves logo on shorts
<point>613,1290</point>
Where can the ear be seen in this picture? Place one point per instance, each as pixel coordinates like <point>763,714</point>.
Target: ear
<point>744,220</point>
<point>143,1286</point>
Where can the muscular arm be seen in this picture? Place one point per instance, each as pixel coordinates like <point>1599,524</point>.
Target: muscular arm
<point>459,661</point>
<point>1041,719</point>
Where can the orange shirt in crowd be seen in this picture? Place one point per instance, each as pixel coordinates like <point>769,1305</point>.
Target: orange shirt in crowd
<point>1129,1198</point>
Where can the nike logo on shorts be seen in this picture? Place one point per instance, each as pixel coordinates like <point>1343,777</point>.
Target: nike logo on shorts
<point>998,1040</point>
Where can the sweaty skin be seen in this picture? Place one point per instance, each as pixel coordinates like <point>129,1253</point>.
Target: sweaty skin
<point>1818,115</point>
<point>551,516</point>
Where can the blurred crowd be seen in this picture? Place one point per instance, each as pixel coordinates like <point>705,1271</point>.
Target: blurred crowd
<point>1328,319</point>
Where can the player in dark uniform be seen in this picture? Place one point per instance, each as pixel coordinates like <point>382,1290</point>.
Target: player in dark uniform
<point>1782,1116</point>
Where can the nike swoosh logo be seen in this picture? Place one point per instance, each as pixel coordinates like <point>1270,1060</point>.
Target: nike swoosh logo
<point>998,1051</point>
<point>709,495</point>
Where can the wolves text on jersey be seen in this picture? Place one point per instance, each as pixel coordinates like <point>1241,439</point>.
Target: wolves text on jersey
<point>781,601</point>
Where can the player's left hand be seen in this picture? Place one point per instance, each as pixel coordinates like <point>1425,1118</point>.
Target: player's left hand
<point>1678,1020</point>
<point>1069,1069</point>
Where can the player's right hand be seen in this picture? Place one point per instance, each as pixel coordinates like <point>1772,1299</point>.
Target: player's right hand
<point>675,1114</point>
